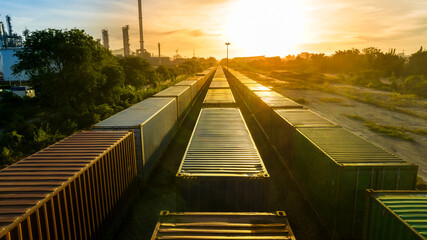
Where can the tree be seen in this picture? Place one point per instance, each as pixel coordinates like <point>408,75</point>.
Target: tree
<point>67,68</point>
<point>138,71</point>
<point>418,62</point>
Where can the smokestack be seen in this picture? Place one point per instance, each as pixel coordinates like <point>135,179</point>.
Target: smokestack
<point>126,45</point>
<point>159,55</point>
<point>105,40</point>
<point>9,24</point>
<point>141,34</point>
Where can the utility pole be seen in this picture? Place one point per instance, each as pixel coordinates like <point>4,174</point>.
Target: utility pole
<point>227,53</point>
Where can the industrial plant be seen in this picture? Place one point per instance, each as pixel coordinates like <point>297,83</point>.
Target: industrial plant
<point>9,43</point>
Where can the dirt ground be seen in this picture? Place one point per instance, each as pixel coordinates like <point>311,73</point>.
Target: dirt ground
<point>412,151</point>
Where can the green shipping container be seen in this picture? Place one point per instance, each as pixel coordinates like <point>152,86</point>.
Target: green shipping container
<point>334,167</point>
<point>283,128</point>
<point>398,215</point>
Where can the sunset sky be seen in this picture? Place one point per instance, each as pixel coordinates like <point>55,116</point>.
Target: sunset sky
<point>268,27</point>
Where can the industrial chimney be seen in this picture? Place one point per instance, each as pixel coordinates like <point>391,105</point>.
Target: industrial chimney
<point>105,40</point>
<point>126,45</point>
<point>160,60</point>
<point>141,34</point>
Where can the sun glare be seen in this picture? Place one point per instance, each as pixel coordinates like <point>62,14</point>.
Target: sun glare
<point>269,27</point>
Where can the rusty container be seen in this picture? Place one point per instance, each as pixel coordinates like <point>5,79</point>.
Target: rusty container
<point>223,225</point>
<point>78,188</point>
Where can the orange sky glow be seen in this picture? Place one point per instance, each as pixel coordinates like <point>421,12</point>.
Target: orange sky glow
<point>268,27</point>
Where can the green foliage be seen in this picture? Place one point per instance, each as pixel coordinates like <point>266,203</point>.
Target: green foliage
<point>78,83</point>
<point>355,117</point>
<point>390,131</point>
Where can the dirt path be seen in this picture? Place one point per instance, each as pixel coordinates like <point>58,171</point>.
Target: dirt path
<point>412,151</point>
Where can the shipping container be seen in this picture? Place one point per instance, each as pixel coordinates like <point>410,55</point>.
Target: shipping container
<point>263,104</point>
<point>183,98</point>
<point>222,169</point>
<point>153,121</point>
<point>223,225</point>
<point>219,84</point>
<point>334,167</point>
<point>200,81</point>
<point>219,98</point>
<point>78,188</point>
<point>284,123</point>
<point>193,86</point>
<point>397,215</point>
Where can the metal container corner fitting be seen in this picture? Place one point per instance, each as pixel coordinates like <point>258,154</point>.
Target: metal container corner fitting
<point>153,121</point>
<point>182,95</point>
<point>77,188</point>
<point>398,215</point>
<point>334,167</point>
<point>223,225</point>
<point>222,169</point>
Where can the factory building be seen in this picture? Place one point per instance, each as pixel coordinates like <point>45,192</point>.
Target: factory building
<point>10,42</point>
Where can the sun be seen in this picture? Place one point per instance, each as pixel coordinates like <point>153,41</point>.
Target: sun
<point>268,27</point>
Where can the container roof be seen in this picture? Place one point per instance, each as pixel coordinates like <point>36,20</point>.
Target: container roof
<point>187,83</point>
<point>411,208</point>
<point>304,118</point>
<point>346,148</point>
<point>256,87</point>
<point>221,145</point>
<point>137,114</point>
<point>223,225</point>
<point>219,96</point>
<point>276,100</point>
<point>172,91</point>
<point>33,179</point>
<point>219,84</point>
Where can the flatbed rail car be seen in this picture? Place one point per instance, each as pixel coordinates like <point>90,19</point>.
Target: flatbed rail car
<point>397,215</point>
<point>76,188</point>
<point>223,225</point>
<point>334,167</point>
<point>222,169</point>
<point>153,121</point>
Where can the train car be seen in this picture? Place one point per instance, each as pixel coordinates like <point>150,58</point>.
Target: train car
<point>77,188</point>
<point>194,86</point>
<point>219,98</point>
<point>263,104</point>
<point>153,121</point>
<point>334,167</point>
<point>182,95</point>
<point>222,169</point>
<point>397,215</point>
<point>223,225</point>
<point>284,124</point>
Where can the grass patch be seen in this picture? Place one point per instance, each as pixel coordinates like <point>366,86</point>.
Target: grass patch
<point>390,131</point>
<point>355,117</point>
<point>331,100</point>
<point>301,100</point>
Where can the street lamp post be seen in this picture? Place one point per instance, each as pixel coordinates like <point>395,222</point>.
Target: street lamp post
<point>227,53</point>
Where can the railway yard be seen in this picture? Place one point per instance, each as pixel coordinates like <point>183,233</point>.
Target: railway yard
<point>217,156</point>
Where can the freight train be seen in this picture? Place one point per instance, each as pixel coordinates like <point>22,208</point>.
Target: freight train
<point>80,187</point>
